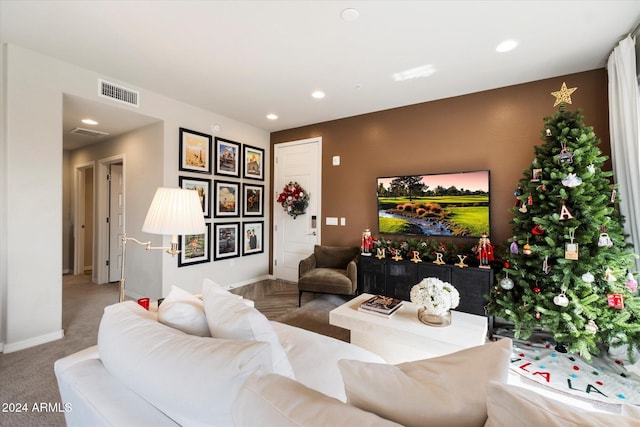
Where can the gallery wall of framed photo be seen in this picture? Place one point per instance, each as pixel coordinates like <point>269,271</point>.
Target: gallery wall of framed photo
<point>229,178</point>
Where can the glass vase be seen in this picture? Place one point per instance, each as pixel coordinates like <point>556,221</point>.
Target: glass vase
<point>434,319</point>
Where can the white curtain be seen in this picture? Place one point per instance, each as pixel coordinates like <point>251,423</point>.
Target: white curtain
<point>624,121</point>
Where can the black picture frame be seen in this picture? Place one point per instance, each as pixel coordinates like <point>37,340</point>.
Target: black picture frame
<point>195,151</point>
<point>226,241</point>
<point>203,187</point>
<point>227,157</point>
<point>227,199</point>
<point>252,237</point>
<point>252,199</point>
<point>195,248</point>
<point>252,162</point>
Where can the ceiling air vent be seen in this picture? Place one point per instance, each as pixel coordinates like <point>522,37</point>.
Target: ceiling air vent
<point>87,132</point>
<point>119,93</point>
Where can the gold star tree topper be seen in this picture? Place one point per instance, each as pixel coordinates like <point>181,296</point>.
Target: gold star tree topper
<point>564,94</point>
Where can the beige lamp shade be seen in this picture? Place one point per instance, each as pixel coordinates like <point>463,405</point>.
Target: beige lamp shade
<point>174,211</point>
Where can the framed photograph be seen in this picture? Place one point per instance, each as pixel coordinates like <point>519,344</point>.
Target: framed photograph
<point>226,240</point>
<point>202,187</point>
<point>194,248</point>
<point>252,200</point>
<point>227,157</point>
<point>195,151</point>
<point>252,237</point>
<point>226,202</point>
<point>253,159</point>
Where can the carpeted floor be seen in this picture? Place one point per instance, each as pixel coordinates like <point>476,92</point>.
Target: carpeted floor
<point>27,377</point>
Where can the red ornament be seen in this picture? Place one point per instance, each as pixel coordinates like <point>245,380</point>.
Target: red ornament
<point>536,290</point>
<point>615,301</point>
<point>506,264</point>
<point>537,230</point>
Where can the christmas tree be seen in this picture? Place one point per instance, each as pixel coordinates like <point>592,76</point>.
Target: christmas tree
<point>567,267</point>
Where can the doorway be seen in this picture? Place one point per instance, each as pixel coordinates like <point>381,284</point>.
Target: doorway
<point>294,238</point>
<point>110,214</point>
<point>84,189</point>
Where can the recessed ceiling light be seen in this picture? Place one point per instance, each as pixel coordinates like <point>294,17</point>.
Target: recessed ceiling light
<point>506,46</point>
<point>414,73</point>
<point>318,94</point>
<point>349,14</point>
<point>89,122</point>
<point>272,116</point>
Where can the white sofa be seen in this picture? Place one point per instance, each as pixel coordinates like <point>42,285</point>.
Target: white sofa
<point>253,372</point>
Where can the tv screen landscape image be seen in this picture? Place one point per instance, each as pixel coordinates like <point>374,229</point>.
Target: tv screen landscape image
<point>449,204</point>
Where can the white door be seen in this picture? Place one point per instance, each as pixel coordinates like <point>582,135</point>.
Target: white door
<point>296,161</point>
<point>116,221</point>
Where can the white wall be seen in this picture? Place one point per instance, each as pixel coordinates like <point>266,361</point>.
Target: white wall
<point>31,182</point>
<point>142,152</point>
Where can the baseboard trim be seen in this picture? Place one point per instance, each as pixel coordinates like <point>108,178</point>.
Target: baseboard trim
<point>32,342</point>
<point>246,282</point>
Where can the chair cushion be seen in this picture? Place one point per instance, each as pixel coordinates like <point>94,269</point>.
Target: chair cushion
<point>334,256</point>
<point>327,280</point>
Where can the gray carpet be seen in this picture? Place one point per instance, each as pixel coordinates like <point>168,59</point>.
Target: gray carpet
<point>27,377</point>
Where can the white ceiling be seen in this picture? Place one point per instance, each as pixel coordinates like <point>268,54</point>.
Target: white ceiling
<point>245,59</point>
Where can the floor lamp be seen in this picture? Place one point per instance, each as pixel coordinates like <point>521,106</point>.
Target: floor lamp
<point>173,211</point>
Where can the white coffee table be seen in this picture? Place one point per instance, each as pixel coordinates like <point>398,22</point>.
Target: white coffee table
<point>402,337</point>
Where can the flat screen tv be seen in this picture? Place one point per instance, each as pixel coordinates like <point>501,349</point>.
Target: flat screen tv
<point>448,204</point>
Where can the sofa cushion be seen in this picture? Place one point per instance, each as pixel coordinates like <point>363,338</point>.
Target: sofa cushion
<point>184,311</point>
<point>230,318</point>
<point>193,380</point>
<point>328,280</point>
<point>631,411</point>
<point>509,405</point>
<point>315,357</point>
<point>273,400</point>
<point>448,390</point>
<point>334,256</point>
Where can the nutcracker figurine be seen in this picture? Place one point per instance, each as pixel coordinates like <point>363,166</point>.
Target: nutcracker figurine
<point>367,242</point>
<point>484,251</point>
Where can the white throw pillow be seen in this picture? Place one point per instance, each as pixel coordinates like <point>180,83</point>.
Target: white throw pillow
<point>193,380</point>
<point>184,311</point>
<point>273,400</point>
<point>509,406</point>
<point>444,391</point>
<point>230,318</point>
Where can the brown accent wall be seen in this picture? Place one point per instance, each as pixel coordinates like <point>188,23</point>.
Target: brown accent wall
<point>493,130</point>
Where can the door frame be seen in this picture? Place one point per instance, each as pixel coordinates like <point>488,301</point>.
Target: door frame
<point>101,254</point>
<point>79,209</point>
<point>276,147</point>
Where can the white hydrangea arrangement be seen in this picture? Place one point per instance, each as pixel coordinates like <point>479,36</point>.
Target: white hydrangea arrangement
<point>436,296</point>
